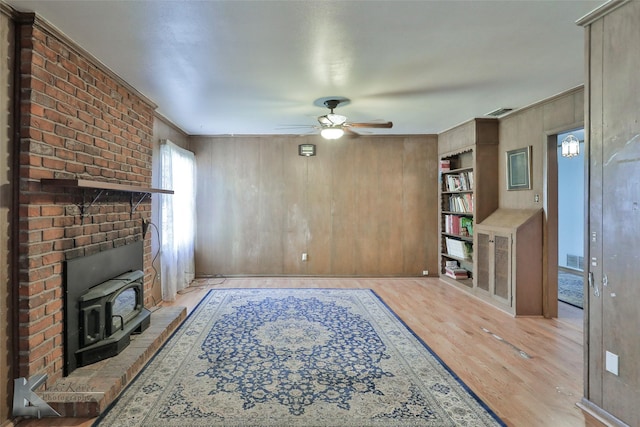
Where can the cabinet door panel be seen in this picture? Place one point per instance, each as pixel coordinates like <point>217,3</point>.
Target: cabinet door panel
<point>483,263</point>
<point>502,284</point>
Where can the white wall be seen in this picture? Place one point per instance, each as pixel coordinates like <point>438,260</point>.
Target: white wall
<point>570,202</point>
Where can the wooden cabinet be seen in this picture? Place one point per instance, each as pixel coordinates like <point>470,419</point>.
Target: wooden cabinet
<point>493,265</point>
<point>468,193</point>
<point>508,264</point>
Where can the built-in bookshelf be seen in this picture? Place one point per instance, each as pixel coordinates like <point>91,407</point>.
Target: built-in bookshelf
<point>468,194</point>
<point>457,204</point>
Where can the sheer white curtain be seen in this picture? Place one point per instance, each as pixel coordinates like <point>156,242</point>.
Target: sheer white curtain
<point>177,218</point>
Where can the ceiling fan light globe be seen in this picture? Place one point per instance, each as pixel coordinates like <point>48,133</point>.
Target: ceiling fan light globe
<point>332,133</point>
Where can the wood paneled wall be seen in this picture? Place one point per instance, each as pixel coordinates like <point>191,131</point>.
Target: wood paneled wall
<point>365,206</point>
<point>612,383</point>
<point>530,127</point>
<point>536,126</point>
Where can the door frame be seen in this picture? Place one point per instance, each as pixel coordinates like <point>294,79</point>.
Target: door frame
<point>550,225</point>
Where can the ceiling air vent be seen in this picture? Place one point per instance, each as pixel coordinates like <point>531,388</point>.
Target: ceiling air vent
<point>499,112</point>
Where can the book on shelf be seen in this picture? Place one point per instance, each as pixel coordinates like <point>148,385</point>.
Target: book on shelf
<point>462,181</point>
<point>451,224</point>
<point>456,277</point>
<point>466,180</point>
<point>453,182</point>
<point>458,225</point>
<point>458,248</point>
<point>461,203</point>
<point>456,273</point>
<point>466,224</point>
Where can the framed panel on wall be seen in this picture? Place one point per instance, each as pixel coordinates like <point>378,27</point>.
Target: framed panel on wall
<point>519,169</point>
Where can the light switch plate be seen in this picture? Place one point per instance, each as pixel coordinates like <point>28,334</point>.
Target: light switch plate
<point>611,363</point>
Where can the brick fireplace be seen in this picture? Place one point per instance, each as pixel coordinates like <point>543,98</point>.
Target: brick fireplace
<point>78,120</point>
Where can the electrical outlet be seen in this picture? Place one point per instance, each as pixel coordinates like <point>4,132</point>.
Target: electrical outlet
<point>425,272</point>
<point>304,256</point>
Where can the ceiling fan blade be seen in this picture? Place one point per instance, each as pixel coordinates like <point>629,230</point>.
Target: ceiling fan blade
<point>350,133</point>
<point>281,127</point>
<point>324,121</point>
<point>386,125</point>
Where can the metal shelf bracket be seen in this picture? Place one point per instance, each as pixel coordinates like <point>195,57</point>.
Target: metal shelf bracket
<point>84,207</point>
<point>134,206</point>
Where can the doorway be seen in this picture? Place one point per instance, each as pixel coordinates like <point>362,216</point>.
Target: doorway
<point>559,186</point>
<point>571,223</point>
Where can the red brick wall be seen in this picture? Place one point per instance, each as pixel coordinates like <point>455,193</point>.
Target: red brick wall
<point>77,121</point>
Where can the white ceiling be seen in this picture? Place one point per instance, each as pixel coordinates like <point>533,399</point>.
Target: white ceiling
<point>256,67</point>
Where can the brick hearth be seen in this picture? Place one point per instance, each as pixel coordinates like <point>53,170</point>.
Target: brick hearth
<point>89,390</point>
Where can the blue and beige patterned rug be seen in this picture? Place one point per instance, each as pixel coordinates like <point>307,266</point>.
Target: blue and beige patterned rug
<point>296,357</point>
<point>571,288</point>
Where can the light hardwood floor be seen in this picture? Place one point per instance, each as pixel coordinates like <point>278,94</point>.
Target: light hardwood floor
<point>527,370</point>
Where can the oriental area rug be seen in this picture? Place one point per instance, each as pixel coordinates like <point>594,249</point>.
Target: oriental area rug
<point>571,288</point>
<point>296,357</point>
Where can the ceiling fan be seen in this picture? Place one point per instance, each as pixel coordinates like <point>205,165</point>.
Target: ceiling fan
<point>333,126</point>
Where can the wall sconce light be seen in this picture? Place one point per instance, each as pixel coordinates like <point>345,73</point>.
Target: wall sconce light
<point>332,132</point>
<point>570,146</point>
<point>306,150</point>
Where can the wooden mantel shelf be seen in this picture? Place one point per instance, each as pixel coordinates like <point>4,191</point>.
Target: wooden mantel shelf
<point>101,185</point>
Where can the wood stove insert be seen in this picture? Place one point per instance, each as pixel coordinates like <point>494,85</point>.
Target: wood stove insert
<point>104,304</point>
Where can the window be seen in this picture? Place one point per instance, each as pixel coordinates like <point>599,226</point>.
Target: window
<point>177,218</point>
